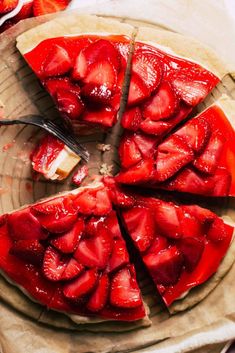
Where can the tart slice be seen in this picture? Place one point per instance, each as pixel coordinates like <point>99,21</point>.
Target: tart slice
<point>68,254</point>
<point>82,65</point>
<point>181,246</point>
<point>167,81</point>
<point>198,158</point>
<point>53,159</point>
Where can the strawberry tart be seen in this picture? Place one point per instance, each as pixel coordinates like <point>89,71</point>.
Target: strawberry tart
<point>69,252</point>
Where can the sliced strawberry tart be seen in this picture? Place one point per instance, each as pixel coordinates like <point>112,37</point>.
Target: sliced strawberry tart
<point>181,246</point>
<point>68,254</point>
<point>53,159</point>
<point>83,68</point>
<point>197,158</point>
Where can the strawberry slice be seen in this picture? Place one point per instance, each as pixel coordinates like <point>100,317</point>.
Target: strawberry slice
<point>173,154</point>
<point>104,116</point>
<point>72,269</point>
<point>68,242</point>
<point>189,224</point>
<point>95,251</point>
<point>208,161</point>
<point>45,153</point>
<point>91,226</point>
<point>196,133</point>
<point>165,266</point>
<point>190,181</point>
<point>167,220</point>
<point>163,104</point>
<point>25,12</point>
<point>131,119</point>
<point>82,285</point>
<point>99,298</point>
<point>111,223</point>
<point>217,231</point>
<point>28,250</point>
<point>138,91</point>
<point>53,266</point>
<point>44,7</point>
<point>148,67</point>
<point>159,243</point>
<point>142,232</point>
<point>129,152</point>
<point>57,215</point>
<point>25,226</point>
<point>145,143</point>
<point>69,104</point>
<point>57,62</point>
<point>103,204</point>
<point>80,67</point>
<point>118,196</point>
<point>80,175</point>
<point>119,257</point>
<point>100,94</point>
<point>155,127</point>
<point>139,173</point>
<point>98,51</point>
<point>202,214</point>
<point>191,91</point>
<point>124,291</point>
<point>85,202</point>
<point>101,73</point>
<point>7,6</point>
<point>55,84</point>
<point>192,249</point>
<point>96,202</point>
<point>222,182</point>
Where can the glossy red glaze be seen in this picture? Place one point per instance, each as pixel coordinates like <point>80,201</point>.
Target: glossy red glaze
<point>206,263</point>
<point>45,153</point>
<point>218,123</point>
<point>32,278</point>
<point>70,49</point>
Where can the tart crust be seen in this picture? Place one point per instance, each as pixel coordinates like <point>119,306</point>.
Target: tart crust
<point>197,294</point>
<point>185,47</point>
<point>16,296</point>
<point>72,24</point>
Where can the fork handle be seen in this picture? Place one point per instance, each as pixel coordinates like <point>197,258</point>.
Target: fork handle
<point>12,122</point>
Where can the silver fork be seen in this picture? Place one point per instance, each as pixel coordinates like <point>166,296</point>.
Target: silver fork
<point>60,132</point>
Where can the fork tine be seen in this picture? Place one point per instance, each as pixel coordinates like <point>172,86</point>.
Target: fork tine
<point>67,139</point>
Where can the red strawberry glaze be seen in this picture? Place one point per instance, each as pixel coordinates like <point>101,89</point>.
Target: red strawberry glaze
<point>181,246</point>
<point>95,64</point>
<point>198,158</point>
<point>45,153</point>
<point>218,124</point>
<point>60,281</point>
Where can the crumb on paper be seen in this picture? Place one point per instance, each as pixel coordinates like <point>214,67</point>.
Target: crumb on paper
<point>3,191</point>
<point>24,157</point>
<point>103,147</point>
<point>106,169</point>
<point>7,146</point>
<point>1,110</point>
<point>29,187</point>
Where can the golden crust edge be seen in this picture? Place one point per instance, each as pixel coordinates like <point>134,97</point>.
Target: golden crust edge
<point>199,293</point>
<point>73,23</point>
<point>186,47</point>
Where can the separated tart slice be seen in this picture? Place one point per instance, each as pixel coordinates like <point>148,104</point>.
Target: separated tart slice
<point>182,246</point>
<point>53,159</point>
<point>82,64</point>
<point>197,158</point>
<point>67,253</point>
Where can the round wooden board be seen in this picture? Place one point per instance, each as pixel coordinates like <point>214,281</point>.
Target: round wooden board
<point>22,94</point>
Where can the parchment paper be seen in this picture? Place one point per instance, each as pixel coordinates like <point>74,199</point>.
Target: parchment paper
<point>213,320</point>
